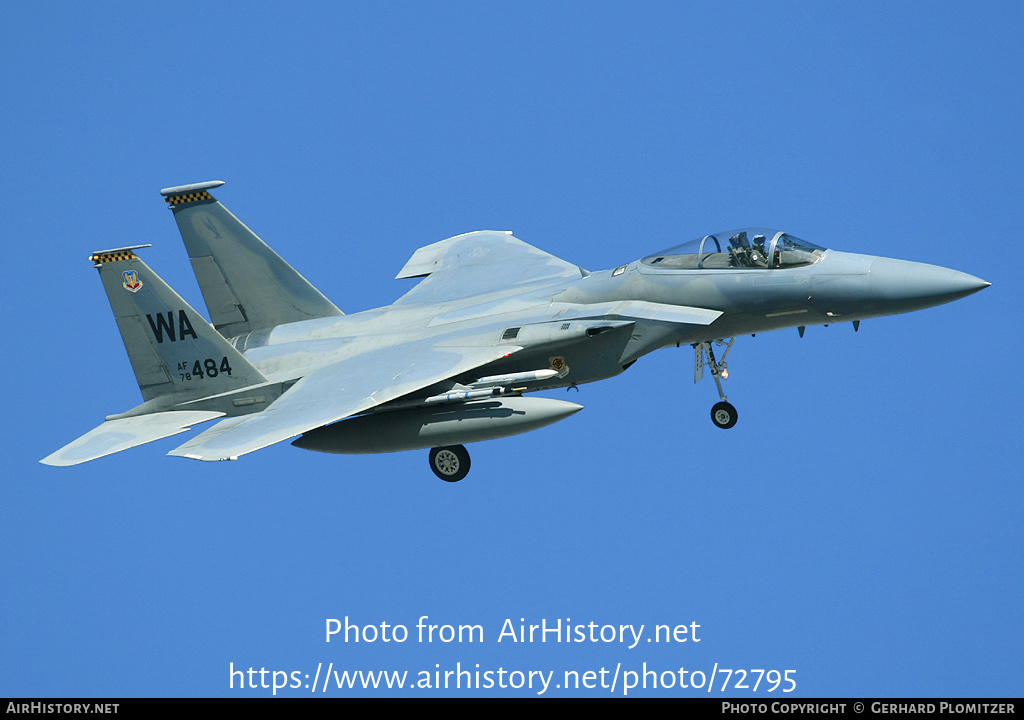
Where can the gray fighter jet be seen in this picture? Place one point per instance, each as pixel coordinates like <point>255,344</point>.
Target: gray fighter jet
<point>454,359</point>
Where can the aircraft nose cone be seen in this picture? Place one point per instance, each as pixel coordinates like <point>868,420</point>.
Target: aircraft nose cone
<point>904,285</point>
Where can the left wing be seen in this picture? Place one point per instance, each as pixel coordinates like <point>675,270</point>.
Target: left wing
<point>479,263</point>
<point>338,391</point>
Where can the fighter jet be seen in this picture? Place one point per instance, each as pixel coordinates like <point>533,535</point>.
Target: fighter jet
<point>458,357</point>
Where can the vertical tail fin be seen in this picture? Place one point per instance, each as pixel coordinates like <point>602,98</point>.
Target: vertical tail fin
<point>246,285</point>
<point>173,350</point>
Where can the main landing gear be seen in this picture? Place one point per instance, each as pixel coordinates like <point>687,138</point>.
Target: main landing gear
<point>723,414</point>
<point>450,463</point>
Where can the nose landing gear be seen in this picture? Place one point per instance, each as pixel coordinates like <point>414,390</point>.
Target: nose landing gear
<point>723,414</point>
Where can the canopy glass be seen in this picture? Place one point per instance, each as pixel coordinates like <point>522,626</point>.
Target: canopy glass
<point>747,248</point>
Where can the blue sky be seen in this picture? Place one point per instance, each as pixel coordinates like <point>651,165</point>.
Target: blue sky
<point>862,524</point>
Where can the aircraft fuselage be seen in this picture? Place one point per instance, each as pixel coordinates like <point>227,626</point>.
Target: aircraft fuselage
<point>838,287</point>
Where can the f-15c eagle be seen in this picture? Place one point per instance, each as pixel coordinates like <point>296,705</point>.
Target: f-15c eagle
<point>455,359</point>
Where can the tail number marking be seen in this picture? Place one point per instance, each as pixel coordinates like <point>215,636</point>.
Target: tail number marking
<point>165,324</point>
<point>205,368</point>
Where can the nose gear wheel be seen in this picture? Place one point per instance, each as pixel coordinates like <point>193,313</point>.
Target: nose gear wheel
<point>724,415</point>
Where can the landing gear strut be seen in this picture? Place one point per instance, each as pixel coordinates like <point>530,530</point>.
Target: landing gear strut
<point>450,463</point>
<point>723,414</point>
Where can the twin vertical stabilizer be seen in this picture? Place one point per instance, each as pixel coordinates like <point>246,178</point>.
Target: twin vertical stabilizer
<point>174,352</point>
<point>246,285</point>
<point>185,367</point>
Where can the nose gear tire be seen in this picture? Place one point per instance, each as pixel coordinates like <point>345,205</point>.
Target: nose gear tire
<point>724,415</point>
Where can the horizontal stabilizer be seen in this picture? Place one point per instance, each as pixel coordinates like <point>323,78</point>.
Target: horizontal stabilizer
<point>123,433</point>
<point>193,449</point>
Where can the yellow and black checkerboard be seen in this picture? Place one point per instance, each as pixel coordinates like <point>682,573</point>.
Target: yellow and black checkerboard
<point>100,258</point>
<point>187,198</point>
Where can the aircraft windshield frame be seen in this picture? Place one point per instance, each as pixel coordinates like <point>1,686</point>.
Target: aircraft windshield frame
<point>746,248</point>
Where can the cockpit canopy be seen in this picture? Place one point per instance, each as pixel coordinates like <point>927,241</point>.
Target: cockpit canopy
<point>747,248</point>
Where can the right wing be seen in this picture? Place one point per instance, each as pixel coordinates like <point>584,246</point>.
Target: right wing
<point>337,391</point>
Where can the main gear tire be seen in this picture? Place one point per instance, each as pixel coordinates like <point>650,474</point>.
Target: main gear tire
<point>450,463</point>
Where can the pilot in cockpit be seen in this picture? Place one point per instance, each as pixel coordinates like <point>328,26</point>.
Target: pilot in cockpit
<point>758,255</point>
<point>744,254</point>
